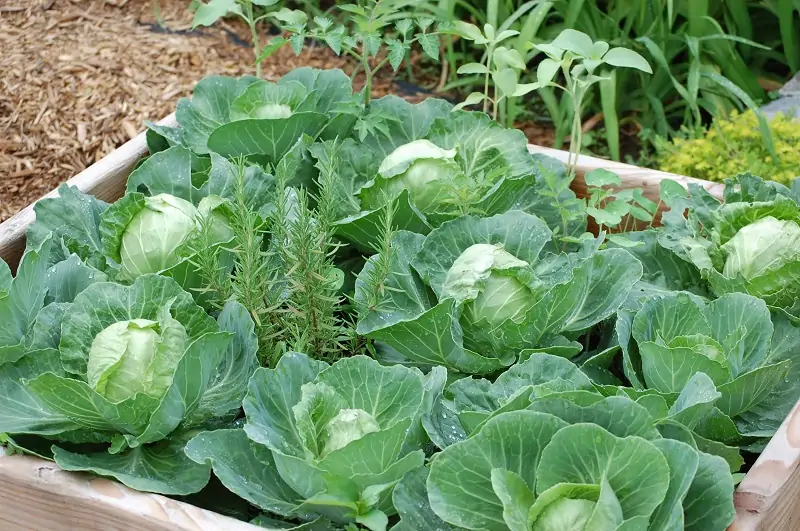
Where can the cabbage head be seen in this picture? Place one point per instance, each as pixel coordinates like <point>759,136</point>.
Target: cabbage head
<point>215,211</point>
<point>136,369</point>
<point>325,440</point>
<point>135,356</point>
<point>153,234</point>
<point>765,255</point>
<point>151,240</point>
<point>484,277</point>
<point>429,173</point>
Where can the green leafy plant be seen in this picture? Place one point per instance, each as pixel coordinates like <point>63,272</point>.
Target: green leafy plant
<point>501,64</point>
<point>730,144</point>
<point>578,58</point>
<point>252,12</point>
<point>523,442</point>
<point>365,36</point>
<point>518,22</point>
<point>248,117</point>
<point>747,244</point>
<point>324,441</point>
<point>494,293</point>
<point>614,208</point>
<point>730,341</point>
<point>134,369</point>
<point>436,165</point>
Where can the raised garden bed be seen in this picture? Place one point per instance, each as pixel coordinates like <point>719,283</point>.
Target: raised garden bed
<point>36,494</point>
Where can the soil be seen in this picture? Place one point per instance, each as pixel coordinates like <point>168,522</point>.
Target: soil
<point>79,78</point>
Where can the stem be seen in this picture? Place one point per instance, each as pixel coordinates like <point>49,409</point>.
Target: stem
<point>451,60</point>
<point>577,133</point>
<point>655,214</point>
<point>357,56</point>
<point>367,73</point>
<point>489,50</point>
<point>365,59</point>
<point>380,65</point>
<point>570,88</point>
<point>251,22</point>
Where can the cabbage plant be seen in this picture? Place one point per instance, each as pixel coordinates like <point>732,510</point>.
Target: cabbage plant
<point>748,244</point>
<point>532,471</point>
<point>541,449</point>
<point>136,370</point>
<point>486,289</point>
<point>249,116</point>
<point>324,441</point>
<point>762,258</point>
<point>733,342</point>
<point>434,165</point>
<point>155,227</point>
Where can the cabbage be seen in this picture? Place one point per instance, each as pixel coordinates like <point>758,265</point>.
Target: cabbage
<point>565,513</point>
<point>427,171</point>
<point>151,239</point>
<point>327,439</point>
<point>347,426</point>
<point>750,243</point>
<point>542,449</point>
<point>120,356</point>
<point>138,368</point>
<point>136,356</point>
<point>486,273</point>
<point>486,289</point>
<point>215,208</point>
<point>762,248</point>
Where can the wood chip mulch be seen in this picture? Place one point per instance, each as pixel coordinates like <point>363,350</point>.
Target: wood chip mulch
<point>79,78</point>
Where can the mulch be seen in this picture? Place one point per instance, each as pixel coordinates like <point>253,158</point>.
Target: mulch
<point>79,78</point>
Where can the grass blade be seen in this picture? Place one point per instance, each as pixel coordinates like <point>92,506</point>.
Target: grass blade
<point>608,101</point>
<point>573,11</point>
<point>790,33</point>
<point>741,18</point>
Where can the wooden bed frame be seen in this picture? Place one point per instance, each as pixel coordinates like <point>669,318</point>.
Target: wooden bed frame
<point>36,494</point>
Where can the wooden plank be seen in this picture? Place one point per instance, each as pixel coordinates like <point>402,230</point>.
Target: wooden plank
<point>38,496</point>
<point>105,180</point>
<point>767,498</point>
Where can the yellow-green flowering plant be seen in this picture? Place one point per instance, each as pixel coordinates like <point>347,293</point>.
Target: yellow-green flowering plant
<point>731,145</point>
